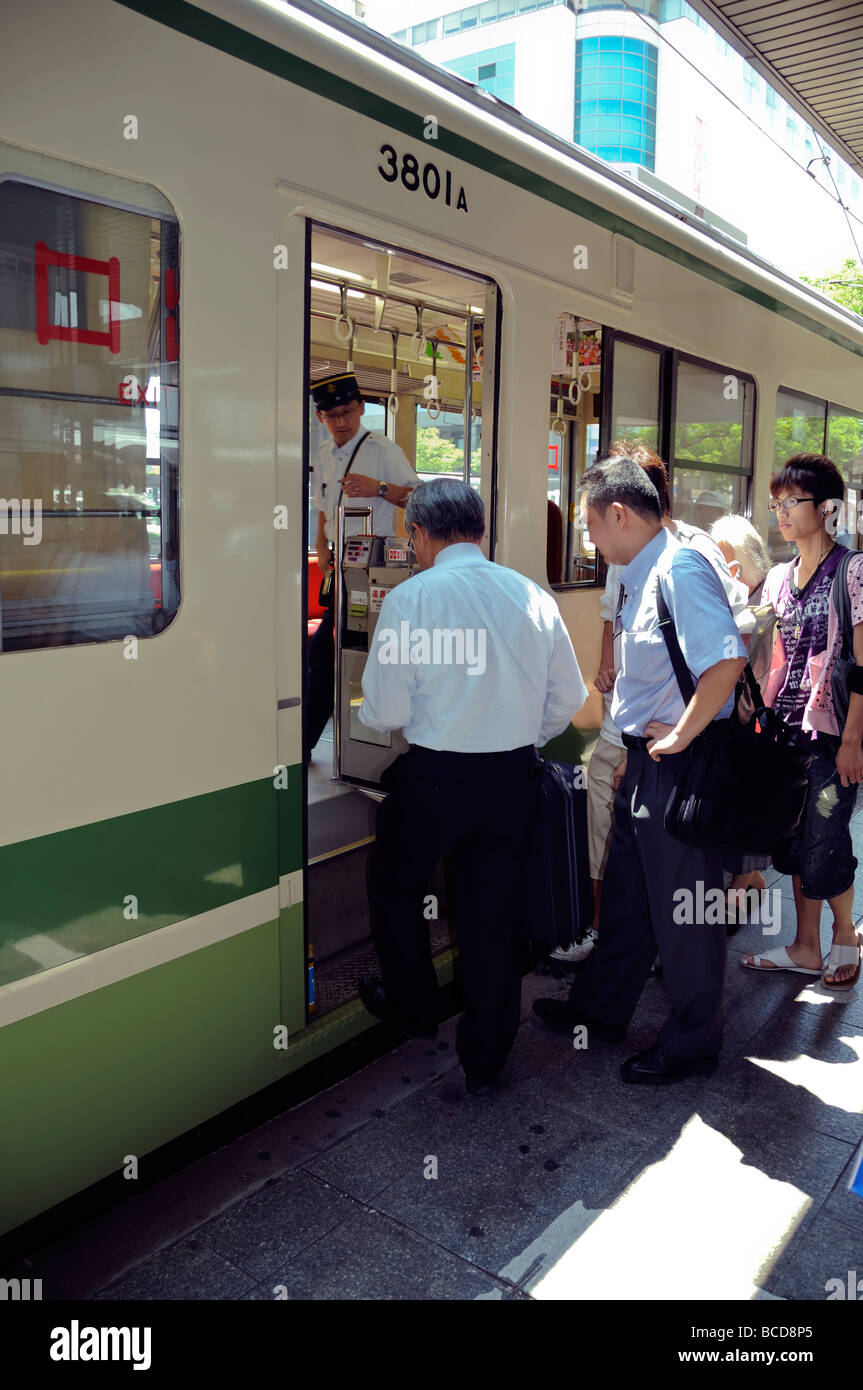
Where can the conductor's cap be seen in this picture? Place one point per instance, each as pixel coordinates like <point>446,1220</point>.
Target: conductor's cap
<point>331,391</point>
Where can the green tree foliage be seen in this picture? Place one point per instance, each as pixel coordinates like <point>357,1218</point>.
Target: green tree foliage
<point>437,455</point>
<point>718,442</point>
<point>844,285</point>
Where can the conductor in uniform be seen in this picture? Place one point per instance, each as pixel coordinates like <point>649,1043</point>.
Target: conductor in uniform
<point>473,662</point>
<point>360,466</point>
<point>647,869</point>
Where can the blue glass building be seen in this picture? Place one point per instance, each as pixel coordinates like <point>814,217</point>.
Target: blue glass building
<point>615,99</point>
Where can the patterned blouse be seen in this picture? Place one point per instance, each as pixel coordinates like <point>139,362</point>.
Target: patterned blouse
<point>808,641</point>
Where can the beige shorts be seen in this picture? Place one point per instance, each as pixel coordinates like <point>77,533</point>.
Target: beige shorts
<point>600,799</point>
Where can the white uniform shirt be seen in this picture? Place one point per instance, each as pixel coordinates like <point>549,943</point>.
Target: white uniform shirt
<point>471,657</point>
<point>378,458</point>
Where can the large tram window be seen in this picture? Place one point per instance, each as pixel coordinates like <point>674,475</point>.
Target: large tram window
<point>807,424</point>
<point>845,448</point>
<point>845,443</point>
<point>572,446</point>
<point>712,442</point>
<point>635,396</point>
<point>440,445</point>
<point>799,427</point>
<point>89,387</point>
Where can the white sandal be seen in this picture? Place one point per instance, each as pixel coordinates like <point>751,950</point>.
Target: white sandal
<point>842,955</point>
<point>779,960</point>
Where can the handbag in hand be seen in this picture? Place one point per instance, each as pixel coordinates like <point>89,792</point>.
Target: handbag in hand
<point>740,786</point>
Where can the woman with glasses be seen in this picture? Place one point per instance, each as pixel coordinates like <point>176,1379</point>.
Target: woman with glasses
<point>807,495</point>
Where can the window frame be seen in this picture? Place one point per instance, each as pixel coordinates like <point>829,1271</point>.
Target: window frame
<point>169,496</point>
<point>669,358</point>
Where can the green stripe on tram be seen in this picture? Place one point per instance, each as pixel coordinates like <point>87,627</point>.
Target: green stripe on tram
<point>260,53</point>
<point>175,861</point>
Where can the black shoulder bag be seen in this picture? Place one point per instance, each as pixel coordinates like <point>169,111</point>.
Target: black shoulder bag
<point>741,787</point>
<point>326,591</point>
<point>845,662</point>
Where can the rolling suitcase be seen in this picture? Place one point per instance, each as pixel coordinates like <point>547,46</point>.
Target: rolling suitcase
<point>558,894</point>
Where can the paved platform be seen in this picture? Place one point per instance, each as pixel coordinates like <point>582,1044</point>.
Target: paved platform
<point>566,1184</point>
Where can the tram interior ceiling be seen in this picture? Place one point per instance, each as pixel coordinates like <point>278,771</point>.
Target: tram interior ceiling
<point>419,337</point>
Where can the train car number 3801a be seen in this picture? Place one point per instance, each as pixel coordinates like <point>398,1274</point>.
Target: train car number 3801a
<point>429,178</point>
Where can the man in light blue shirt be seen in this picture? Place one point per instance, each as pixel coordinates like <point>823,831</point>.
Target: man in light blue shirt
<point>650,876</point>
<point>473,661</point>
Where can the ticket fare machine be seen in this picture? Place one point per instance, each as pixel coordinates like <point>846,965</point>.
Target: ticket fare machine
<point>371,566</point>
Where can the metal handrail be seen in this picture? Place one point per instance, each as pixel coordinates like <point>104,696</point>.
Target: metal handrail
<point>344,511</point>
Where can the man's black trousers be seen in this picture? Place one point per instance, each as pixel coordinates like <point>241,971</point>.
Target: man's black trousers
<point>477,809</point>
<point>321,679</point>
<point>651,879</point>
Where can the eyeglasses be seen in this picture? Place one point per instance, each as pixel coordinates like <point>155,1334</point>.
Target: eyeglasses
<point>343,412</point>
<point>787,503</point>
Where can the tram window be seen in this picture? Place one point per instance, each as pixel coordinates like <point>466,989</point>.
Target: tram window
<point>712,442</point>
<point>799,427</point>
<point>635,401</point>
<point>89,438</point>
<point>702,498</point>
<point>440,446</point>
<point>573,440</point>
<point>807,424</point>
<point>845,443</point>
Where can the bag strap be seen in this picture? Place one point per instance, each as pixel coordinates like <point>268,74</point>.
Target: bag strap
<point>356,449</point>
<point>681,670</point>
<point>842,601</point>
<point>669,633</point>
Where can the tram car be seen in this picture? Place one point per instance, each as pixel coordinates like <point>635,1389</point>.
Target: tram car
<point>202,209</point>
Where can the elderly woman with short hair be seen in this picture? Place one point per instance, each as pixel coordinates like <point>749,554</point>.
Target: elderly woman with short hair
<point>748,561</point>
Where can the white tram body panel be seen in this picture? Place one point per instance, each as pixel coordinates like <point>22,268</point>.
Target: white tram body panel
<point>246,157</point>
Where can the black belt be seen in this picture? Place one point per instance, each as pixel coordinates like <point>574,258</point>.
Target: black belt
<point>444,760</point>
<point>630,741</point>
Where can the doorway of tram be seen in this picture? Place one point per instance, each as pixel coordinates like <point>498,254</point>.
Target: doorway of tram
<point>415,339</point>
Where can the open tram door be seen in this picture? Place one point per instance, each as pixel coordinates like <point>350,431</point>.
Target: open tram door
<point>420,336</point>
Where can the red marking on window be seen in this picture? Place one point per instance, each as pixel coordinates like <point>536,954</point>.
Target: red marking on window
<point>172,295</point>
<point>171,349</point>
<point>45,329</point>
<point>552,449</point>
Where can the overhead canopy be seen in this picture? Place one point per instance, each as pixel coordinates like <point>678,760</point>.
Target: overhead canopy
<point>809,50</point>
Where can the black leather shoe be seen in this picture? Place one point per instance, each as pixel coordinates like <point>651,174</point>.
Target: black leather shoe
<point>371,991</point>
<point>656,1067</point>
<point>562,1018</point>
<point>479,1085</point>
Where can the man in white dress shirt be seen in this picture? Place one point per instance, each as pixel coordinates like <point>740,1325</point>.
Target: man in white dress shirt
<point>473,662</point>
<point>386,480</point>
